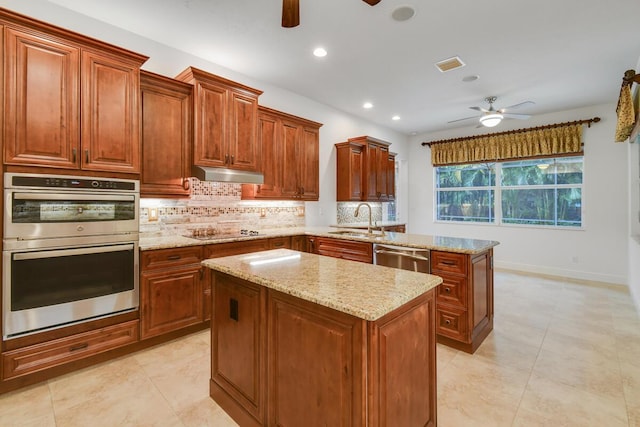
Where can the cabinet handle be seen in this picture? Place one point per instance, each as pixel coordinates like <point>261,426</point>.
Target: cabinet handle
<point>448,262</point>
<point>173,257</point>
<point>186,183</point>
<point>74,153</point>
<point>233,309</point>
<point>447,290</point>
<point>233,159</point>
<point>86,156</point>
<point>201,274</point>
<point>301,190</point>
<point>80,346</point>
<point>226,159</point>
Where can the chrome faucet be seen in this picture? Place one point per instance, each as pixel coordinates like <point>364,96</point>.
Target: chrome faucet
<point>358,211</point>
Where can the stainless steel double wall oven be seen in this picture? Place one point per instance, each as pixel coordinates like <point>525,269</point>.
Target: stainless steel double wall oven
<point>70,250</point>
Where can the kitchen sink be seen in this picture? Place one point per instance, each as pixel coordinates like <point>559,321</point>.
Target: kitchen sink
<point>354,233</point>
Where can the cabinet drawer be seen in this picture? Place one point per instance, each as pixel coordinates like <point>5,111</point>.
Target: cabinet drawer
<point>453,290</point>
<point>449,262</point>
<point>345,249</point>
<point>37,357</point>
<point>280,242</point>
<point>167,258</point>
<point>217,250</point>
<point>451,322</point>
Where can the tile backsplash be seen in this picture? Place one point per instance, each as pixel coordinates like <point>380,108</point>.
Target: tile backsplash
<point>379,212</point>
<point>218,205</point>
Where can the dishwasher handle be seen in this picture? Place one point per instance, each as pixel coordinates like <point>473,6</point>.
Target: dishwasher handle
<point>402,254</point>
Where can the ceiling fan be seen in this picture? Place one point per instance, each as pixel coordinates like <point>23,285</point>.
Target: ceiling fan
<point>291,12</point>
<point>491,117</point>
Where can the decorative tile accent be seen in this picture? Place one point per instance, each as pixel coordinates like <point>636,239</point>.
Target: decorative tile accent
<point>379,212</point>
<point>219,205</point>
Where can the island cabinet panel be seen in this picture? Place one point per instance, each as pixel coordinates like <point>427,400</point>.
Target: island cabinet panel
<point>238,342</point>
<point>465,298</point>
<point>70,101</point>
<point>171,290</point>
<point>279,360</point>
<point>345,249</point>
<point>167,121</point>
<point>225,121</point>
<point>395,372</point>
<point>315,365</point>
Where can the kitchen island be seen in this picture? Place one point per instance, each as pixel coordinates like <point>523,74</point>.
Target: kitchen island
<point>303,339</point>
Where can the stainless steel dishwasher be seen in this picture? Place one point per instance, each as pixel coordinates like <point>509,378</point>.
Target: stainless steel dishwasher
<point>402,257</point>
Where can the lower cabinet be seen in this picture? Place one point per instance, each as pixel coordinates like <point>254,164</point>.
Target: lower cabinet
<point>340,248</point>
<point>45,355</point>
<point>171,293</point>
<point>464,315</point>
<point>278,360</point>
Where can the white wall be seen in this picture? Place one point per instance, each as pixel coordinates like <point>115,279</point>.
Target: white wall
<point>598,252</point>
<point>634,213</point>
<point>337,126</point>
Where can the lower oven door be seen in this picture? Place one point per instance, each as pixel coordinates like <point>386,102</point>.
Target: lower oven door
<point>48,288</point>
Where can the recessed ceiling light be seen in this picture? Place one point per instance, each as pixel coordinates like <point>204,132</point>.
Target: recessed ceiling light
<point>403,13</point>
<point>320,52</point>
<point>471,78</point>
<point>395,118</point>
<point>367,105</point>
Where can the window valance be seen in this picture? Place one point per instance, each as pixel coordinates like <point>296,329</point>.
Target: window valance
<point>551,140</point>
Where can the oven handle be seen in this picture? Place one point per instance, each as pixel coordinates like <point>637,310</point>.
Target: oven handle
<point>73,197</point>
<point>19,256</point>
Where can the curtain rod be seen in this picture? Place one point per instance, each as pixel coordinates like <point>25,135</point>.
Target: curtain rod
<point>509,132</point>
<point>630,76</point>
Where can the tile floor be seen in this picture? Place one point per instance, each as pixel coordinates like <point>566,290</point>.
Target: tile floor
<point>561,354</point>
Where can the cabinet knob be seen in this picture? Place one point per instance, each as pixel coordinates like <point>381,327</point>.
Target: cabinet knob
<point>447,290</point>
<point>186,183</point>
<point>447,322</point>
<point>226,159</point>
<point>233,159</point>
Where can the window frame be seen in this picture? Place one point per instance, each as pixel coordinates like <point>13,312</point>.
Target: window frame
<point>498,189</point>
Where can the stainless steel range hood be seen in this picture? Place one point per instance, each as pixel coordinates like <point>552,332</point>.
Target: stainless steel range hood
<point>204,173</point>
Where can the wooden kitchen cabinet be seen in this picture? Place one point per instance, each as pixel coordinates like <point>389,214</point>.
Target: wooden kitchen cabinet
<point>464,300</point>
<point>365,170</point>
<point>70,101</point>
<point>225,121</point>
<point>339,248</point>
<point>167,126</point>
<point>289,157</point>
<point>171,290</point>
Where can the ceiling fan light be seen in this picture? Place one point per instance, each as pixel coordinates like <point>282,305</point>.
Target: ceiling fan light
<point>491,120</point>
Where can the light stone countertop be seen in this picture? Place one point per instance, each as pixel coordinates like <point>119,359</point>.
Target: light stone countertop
<point>363,290</point>
<point>419,241</point>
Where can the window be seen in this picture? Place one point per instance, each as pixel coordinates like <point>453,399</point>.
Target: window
<point>545,192</point>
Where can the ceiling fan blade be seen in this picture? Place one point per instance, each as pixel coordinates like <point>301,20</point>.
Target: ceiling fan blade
<point>516,116</point>
<point>466,118</point>
<point>516,105</point>
<point>290,13</point>
<point>372,2</point>
<point>484,110</point>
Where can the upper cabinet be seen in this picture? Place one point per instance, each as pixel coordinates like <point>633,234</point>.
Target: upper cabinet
<point>225,121</point>
<point>167,122</point>
<point>70,101</point>
<point>365,170</point>
<point>290,158</point>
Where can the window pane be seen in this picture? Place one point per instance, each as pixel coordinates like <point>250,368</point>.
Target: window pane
<point>475,175</point>
<point>569,171</point>
<point>528,207</point>
<point>472,205</point>
<point>526,172</point>
<point>569,207</point>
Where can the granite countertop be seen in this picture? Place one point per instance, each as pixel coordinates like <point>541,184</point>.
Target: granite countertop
<point>363,290</point>
<point>420,241</point>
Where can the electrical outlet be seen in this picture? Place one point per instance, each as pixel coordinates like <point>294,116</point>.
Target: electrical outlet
<point>153,214</point>
<point>263,212</point>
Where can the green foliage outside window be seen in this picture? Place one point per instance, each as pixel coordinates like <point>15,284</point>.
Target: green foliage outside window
<point>544,192</point>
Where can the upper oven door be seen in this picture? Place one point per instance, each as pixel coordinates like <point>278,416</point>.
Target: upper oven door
<point>42,214</point>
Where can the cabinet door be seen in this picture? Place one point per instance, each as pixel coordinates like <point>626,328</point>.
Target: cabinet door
<point>391,176</point>
<point>309,175</point>
<point>170,300</point>
<point>166,136</point>
<point>238,342</point>
<point>377,161</point>
<point>242,141</point>
<point>290,160</point>
<point>42,84</point>
<point>110,113</point>
<point>210,126</point>
<point>270,153</point>
<point>350,164</point>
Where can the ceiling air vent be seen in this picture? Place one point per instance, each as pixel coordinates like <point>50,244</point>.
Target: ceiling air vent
<point>449,64</point>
